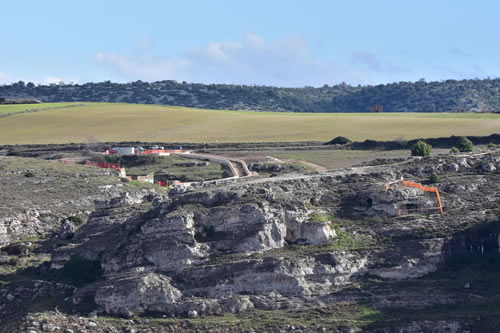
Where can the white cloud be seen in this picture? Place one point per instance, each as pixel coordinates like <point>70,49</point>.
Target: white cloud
<point>372,63</point>
<point>99,57</point>
<point>57,80</point>
<point>287,62</point>
<point>52,79</point>
<point>454,51</point>
<point>143,43</point>
<point>6,78</point>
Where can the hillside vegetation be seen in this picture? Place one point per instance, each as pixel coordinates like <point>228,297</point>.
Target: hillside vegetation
<point>90,122</point>
<point>446,96</point>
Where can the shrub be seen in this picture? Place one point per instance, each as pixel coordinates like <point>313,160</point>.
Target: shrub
<point>434,178</point>
<point>29,174</point>
<point>401,141</point>
<point>421,148</point>
<point>318,217</point>
<point>491,145</point>
<point>348,241</point>
<point>454,150</point>
<point>77,220</point>
<point>340,140</point>
<point>112,159</point>
<point>464,144</point>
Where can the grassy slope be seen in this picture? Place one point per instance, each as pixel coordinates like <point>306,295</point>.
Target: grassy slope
<point>332,159</point>
<point>125,122</point>
<point>15,108</point>
<point>52,182</point>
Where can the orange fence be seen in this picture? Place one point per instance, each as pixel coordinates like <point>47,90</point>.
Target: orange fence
<point>172,183</point>
<point>68,160</point>
<point>104,165</point>
<point>149,151</point>
<point>162,151</point>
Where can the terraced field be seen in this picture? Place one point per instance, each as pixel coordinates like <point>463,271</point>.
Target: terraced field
<point>130,122</point>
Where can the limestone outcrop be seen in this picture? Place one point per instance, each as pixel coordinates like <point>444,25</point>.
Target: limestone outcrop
<point>301,245</point>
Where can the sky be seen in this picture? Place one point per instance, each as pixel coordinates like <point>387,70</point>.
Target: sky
<point>273,42</point>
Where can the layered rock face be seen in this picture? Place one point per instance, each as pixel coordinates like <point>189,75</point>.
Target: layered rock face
<point>283,243</point>
<point>195,248</point>
<point>151,292</point>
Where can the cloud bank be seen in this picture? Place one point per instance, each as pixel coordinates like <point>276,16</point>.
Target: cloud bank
<point>6,78</point>
<point>286,62</point>
<point>372,63</point>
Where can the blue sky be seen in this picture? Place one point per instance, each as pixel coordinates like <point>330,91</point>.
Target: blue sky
<point>283,43</point>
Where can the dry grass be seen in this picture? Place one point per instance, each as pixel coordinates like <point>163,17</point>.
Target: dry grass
<point>125,122</point>
<point>333,159</point>
<point>328,158</point>
<point>15,108</point>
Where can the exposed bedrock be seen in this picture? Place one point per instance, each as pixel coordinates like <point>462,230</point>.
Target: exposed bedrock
<point>282,243</point>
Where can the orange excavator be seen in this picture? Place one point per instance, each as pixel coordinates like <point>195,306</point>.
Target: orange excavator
<point>419,186</point>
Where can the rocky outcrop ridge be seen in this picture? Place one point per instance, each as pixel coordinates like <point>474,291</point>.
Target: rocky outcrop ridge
<point>293,243</point>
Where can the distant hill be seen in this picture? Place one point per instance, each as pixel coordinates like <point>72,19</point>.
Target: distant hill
<point>421,96</point>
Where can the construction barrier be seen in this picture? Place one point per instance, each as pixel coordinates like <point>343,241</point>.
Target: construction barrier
<point>104,165</point>
<point>162,151</point>
<point>149,151</point>
<point>172,183</point>
<point>68,160</point>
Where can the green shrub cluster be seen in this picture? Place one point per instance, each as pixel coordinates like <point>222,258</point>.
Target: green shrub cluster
<point>434,178</point>
<point>318,217</point>
<point>464,144</point>
<point>339,140</point>
<point>421,148</point>
<point>77,220</point>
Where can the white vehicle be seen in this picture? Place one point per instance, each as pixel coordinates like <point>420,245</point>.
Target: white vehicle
<point>124,150</point>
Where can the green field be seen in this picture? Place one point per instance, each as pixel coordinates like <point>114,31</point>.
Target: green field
<point>15,108</point>
<point>127,122</point>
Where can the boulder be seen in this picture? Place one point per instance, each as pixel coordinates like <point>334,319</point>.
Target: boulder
<point>488,167</point>
<point>452,167</point>
<point>148,292</point>
<point>125,199</point>
<point>463,163</point>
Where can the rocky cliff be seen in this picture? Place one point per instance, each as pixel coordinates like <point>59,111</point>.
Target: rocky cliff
<point>328,246</point>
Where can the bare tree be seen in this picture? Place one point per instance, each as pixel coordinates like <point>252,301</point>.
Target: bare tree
<point>92,143</point>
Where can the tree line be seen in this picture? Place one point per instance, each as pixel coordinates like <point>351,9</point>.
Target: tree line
<point>421,96</point>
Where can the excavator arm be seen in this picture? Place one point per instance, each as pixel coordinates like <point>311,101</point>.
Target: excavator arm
<point>420,186</point>
<point>426,189</point>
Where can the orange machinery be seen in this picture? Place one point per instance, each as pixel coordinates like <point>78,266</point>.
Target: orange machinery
<point>420,186</point>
